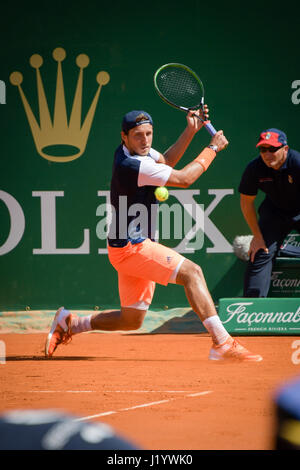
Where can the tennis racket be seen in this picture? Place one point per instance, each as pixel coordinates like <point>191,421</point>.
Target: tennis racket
<point>181,88</point>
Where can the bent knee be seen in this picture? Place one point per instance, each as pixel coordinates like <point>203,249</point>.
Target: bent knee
<point>190,272</point>
<point>197,270</point>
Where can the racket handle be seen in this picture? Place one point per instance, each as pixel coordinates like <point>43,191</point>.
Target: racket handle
<point>210,128</point>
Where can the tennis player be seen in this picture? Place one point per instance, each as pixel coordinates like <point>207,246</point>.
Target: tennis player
<point>140,261</point>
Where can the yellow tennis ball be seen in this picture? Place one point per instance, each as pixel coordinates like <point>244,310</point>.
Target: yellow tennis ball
<point>161,193</point>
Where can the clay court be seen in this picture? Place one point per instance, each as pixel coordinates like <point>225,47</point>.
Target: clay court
<point>159,390</point>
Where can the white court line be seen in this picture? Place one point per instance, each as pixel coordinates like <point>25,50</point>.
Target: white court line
<point>199,394</point>
<point>144,405</point>
<point>109,391</point>
<point>61,391</point>
<point>106,413</point>
<point>147,391</point>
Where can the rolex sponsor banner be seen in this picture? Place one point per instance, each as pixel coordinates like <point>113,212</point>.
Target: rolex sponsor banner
<point>257,316</point>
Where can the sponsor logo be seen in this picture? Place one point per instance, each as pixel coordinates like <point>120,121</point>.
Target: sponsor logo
<point>238,311</point>
<point>58,133</point>
<point>293,239</point>
<point>284,282</point>
<point>250,316</point>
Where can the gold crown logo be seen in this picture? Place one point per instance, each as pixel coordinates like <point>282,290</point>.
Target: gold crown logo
<point>50,133</point>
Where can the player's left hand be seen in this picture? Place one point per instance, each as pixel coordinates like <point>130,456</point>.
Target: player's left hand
<point>194,123</point>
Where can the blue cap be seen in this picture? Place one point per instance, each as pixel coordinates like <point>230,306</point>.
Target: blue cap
<point>135,118</point>
<point>273,137</point>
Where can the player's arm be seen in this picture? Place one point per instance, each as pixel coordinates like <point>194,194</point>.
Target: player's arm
<point>172,156</point>
<point>249,212</point>
<point>190,173</point>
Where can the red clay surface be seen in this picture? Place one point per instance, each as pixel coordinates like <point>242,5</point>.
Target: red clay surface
<point>128,374</point>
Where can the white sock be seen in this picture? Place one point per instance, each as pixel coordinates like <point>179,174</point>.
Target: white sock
<point>216,329</point>
<point>81,324</point>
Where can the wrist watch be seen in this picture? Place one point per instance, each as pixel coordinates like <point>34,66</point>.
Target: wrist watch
<point>213,147</point>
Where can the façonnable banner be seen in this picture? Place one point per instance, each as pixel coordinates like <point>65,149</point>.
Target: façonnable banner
<point>261,316</point>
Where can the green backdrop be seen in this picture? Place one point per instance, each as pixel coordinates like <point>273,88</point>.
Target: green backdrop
<point>248,58</point>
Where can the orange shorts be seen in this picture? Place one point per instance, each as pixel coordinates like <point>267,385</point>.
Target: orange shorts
<point>140,266</point>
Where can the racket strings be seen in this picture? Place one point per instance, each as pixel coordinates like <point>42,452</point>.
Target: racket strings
<point>180,87</point>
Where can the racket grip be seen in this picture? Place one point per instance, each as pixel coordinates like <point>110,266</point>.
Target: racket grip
<point>210,128</point>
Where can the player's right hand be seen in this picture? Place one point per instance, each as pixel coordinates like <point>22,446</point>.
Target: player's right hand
<point>257,243</point>
<point>220,140</point>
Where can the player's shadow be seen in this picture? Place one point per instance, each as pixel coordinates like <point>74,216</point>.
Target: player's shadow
<point>188,323</point>
<point>81,358</point>
<point>55,358</point>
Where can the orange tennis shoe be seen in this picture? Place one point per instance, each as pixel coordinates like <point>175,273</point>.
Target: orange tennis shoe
<point>60,332</point>
<point>232,350</point>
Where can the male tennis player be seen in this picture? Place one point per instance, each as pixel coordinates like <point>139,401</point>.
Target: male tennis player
<point>140,261</point>
<point>276,172</point>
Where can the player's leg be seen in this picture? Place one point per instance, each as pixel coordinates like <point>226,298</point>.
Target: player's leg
<point>191,277</point>
<point>125,319</point>
<point>163,265</point>
<point>67,324</point>
<point>135,296</point>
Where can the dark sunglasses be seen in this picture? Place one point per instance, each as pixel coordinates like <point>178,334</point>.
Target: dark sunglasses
<point>269,149</point>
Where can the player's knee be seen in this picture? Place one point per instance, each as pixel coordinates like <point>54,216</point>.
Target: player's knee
<point>195,273</point>
<point>198,271</point>
<point>190,272</point>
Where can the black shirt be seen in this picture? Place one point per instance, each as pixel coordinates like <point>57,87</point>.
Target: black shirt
<point>282,187</point>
